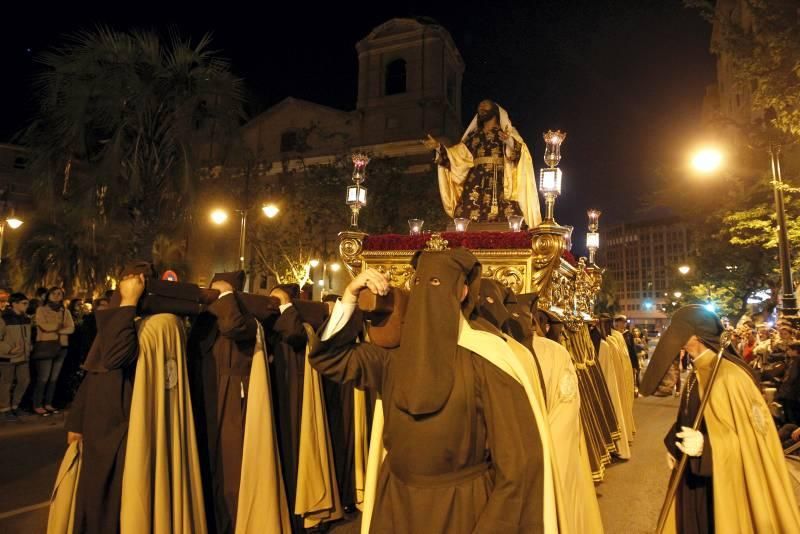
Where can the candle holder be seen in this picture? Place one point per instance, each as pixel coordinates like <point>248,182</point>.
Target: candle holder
<point>415,226</point>
<point>515,223</point>
<point>357,194</point>
<point>461,224</point>
<point>593,236</point>
<point>550,178</point>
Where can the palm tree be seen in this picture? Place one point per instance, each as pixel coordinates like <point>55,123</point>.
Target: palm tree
<point>120,118</point>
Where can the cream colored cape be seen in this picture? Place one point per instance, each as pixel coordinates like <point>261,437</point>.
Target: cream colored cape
<point>612,372</point>
<point>317,488</point>
<point>263,506</point>
<point>752,489</point>
<point>626,394</point>
<point>516,361</point>
<point>519,180</point>
<point>161,486</point>
<point>571,455</point>
<point>61,519</point>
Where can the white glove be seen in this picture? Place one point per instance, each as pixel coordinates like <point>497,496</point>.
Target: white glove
<point>692,441</point>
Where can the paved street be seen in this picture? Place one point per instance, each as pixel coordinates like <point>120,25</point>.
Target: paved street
<point>630,496</point>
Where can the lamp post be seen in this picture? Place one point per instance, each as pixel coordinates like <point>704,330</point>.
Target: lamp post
<point>550,177</point>
<point>220,217</point>
<point>788,308</point>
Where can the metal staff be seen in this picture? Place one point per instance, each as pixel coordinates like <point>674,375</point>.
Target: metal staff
<point>677,473</point>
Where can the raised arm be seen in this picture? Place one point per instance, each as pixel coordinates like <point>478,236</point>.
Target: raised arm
<point>336,353</point>
<point>233,323</point>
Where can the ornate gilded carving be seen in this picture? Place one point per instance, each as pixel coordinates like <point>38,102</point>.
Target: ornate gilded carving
<point>398,274</point>
<point>351,243</point>
<point>511,276</point>
<point>436,243</point>
<point>547,246</point>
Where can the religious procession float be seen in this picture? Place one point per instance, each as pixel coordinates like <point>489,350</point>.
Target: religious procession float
<point>488,187</point>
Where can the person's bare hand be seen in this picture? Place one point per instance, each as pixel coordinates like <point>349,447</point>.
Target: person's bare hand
<point>503,135</point>
<point>18,348</point>
<point>430,143</point>
<point>369,278</point>
<point>222,286</point>
<point>281,295</point>
<point>796,434</point>
<point>73,436</point>
<point>130,289</point>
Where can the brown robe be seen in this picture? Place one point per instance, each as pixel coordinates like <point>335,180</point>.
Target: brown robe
<point>468,467</point>
<point>287,340</point>
<point>221,352</point>
<point>100,412</point>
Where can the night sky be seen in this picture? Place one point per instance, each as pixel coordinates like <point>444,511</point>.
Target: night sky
<point>624,78</point>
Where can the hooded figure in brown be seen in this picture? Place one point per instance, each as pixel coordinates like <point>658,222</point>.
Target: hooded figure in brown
<point>736,478</point>
<point>466,446</point>
<point>100,412</point>
<point>221,346</point>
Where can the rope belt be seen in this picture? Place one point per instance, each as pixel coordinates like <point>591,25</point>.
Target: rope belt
<point>443,479</point>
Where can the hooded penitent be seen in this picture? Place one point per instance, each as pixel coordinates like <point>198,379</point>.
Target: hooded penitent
<point>235,279</point>
<point>692,320</point>
<point>741,447</point>
<point>430,331</point>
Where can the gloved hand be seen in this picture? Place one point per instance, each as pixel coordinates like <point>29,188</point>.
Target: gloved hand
<point>692,441</point>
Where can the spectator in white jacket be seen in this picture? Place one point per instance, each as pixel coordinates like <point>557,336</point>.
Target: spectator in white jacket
<point>53,326</point>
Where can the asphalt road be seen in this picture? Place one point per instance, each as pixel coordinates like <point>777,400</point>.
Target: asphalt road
<point>630,496</point>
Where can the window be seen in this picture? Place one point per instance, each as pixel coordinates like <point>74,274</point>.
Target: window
<point>20,162</point>
<point>396,77</point>
<point>288,141</point>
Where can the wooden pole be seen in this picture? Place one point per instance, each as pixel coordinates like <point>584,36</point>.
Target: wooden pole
<point>677,473</point>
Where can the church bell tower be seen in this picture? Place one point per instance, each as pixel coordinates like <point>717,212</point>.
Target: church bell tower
<point>409,82</point>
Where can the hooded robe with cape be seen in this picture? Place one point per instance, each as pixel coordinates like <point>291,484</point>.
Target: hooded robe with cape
<point>740,483</point>
<point>467,446</point>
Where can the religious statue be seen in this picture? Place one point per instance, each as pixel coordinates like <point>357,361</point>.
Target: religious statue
<point>488,176</point>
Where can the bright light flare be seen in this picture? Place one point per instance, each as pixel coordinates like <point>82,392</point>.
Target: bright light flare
<point>219,216</point>
<point>707,160</point>
<point>14,223</point>
<point>684,269</point>
<point>335,267</point>
<point>270,210</point>
<point>314,263</point>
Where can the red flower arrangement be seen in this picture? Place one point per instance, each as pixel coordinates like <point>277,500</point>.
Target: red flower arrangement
<point>470,240</point>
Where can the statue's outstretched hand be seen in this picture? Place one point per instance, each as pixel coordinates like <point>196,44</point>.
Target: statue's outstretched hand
<point>430,143</point>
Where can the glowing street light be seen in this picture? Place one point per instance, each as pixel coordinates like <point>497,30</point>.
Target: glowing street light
<point>219,216</point>
<point>684,269</point>
<point>314,263</point>
<point>335,267</point>
<point>13,222</point>
<point>707,160</point>
<point>677,294</point>
<point>270,210</point>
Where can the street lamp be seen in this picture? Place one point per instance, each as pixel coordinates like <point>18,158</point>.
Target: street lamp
<point>684,269</point>
<point>677,294</point>
<point>707,160</point>
<point>13,223</point>
<point>220,216</point>
<point>788,301</point>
